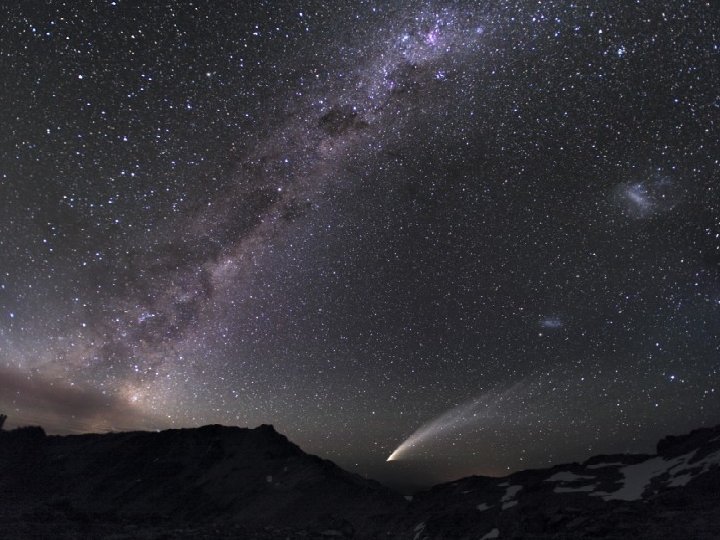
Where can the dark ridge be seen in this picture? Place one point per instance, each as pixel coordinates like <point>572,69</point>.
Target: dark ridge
<point>230,482</point>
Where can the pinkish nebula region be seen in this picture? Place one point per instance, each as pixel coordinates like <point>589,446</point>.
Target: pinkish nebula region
<point>471,236</point>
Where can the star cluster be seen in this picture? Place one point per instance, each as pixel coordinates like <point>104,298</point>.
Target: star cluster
<point>496,220</point>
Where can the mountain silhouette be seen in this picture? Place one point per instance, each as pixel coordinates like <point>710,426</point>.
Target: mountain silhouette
<point>230,482</point>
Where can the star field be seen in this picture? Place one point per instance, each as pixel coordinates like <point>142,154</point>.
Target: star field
<point>489,228</point>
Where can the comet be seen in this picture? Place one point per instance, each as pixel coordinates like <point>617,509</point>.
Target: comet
<point>487,407</point>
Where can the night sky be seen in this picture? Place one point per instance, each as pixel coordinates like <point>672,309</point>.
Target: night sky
<point>487,230</point>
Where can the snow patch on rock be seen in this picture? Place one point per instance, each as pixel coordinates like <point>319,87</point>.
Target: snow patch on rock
<point>510,492</point>
<point>603,465</point>
<point>578,489</point>
<point>567,476</point>
<point>495,533</point>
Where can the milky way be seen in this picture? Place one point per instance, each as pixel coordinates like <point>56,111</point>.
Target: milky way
<point>363,222</point>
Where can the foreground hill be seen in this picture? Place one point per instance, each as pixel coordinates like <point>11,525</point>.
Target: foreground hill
<point>179,481</point>
<point>227,482</point>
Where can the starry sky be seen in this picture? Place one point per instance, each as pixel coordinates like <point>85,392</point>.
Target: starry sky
<point>474,236</point>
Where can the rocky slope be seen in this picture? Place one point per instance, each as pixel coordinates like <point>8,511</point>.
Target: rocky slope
<point>673,494</point>
<point>224,482</point>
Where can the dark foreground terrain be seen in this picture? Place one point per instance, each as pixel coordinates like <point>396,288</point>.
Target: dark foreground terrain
<point>228,482</point>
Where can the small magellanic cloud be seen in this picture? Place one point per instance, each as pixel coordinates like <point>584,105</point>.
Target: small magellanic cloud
<point>551,323</point>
